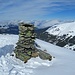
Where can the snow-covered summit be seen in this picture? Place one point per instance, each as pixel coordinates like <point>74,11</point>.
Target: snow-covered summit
<point>64,35</point>
<point>45,23</point>
<point>61,29</point>
<point>38,24</point>
<point>62,64</point>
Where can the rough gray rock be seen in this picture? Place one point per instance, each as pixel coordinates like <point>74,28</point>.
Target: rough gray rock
<point>25,48</point>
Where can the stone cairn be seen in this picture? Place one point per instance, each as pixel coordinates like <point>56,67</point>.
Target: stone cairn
<point>25,48</point>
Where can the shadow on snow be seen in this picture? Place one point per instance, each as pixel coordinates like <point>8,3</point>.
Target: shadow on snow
<point>6,49</point>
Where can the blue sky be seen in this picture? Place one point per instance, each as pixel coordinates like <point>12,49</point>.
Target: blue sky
<point>37,9</point>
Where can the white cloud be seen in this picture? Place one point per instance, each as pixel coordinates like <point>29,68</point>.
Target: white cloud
<point>33,8</point>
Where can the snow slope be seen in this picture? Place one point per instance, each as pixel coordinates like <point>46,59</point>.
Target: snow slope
<point>10,65</point>
<point>65,28</point>
<point>62,64</point>
<point>8,40</point>
<point>65,32</point>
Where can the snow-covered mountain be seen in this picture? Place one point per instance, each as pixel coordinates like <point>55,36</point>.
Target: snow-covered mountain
<point>63,35</point>
<point>38,24</point>
<point>11,27</point>
<point>6,24</point>
<point>45,23</point>
<point>62,64</point>
<point>61,29</point>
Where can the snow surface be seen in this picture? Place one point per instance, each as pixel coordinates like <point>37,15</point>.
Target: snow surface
<point>8,40</point>
<point>62,64</point>
<point>65,28</point>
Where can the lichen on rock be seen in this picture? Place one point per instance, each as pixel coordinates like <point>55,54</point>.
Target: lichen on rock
<point>25,48</point>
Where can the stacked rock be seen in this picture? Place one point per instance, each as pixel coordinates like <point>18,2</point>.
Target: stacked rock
<point>25,48</point>
<point>25,45</point>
